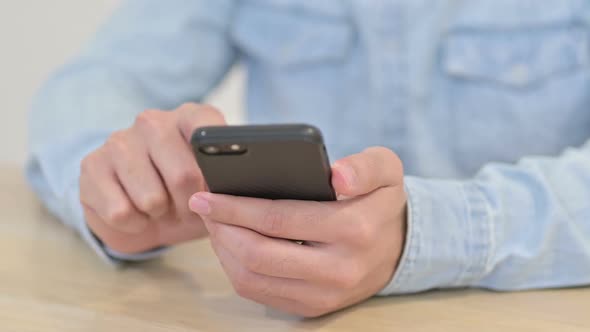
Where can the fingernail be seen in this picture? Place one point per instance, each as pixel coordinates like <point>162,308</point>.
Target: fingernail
<point>347,173</point>
<point>199,205</point>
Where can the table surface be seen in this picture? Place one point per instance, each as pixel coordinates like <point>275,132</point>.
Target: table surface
<point>50,281</point>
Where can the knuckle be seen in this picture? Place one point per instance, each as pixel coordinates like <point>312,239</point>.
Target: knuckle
<point>185,176</point>
<point>149,119</point>
<point>116,144</point>
<point>365,232</point>
<point>361,231</point>
<point>273,220</point>
<point>113,239</point>
<point>357,231</point>
<point>119,213</point>
<point>152,122</point>
<point>153,202</point>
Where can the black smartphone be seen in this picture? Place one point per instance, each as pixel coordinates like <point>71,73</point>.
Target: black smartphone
<point>265,161</point>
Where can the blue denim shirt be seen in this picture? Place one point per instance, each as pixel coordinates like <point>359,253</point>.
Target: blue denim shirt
<point>486,101</point>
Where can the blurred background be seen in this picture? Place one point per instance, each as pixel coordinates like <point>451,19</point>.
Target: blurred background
<point>36,37</point>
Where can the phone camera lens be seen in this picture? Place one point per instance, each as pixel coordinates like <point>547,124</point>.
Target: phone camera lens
<point>211,149</point>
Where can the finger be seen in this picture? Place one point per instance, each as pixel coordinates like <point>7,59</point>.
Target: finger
<point>171,232</point>
<point>170,151</point>
<point>101,191</point>
<point>278,293</point>
<point>295,220</point>
<point>180,172</point>
<point>173,160</point>
<point>367,171</point>
<point>138,175</point>
<point>118,240</point>
<point>271,256</point>
<point>193,116</point>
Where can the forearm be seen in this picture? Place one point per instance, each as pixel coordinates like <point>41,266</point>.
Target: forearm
<point>510,227</point>
<point>130,66</point>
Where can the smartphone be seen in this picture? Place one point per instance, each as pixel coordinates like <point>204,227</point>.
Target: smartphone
<point>265,161</point>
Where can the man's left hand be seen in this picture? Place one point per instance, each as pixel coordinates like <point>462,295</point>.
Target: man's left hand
<point>350,249</point>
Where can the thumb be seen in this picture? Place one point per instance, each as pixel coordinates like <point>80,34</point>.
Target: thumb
<point>364,172</point>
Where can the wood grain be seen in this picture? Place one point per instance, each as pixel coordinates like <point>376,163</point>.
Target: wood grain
<point>51,281</point>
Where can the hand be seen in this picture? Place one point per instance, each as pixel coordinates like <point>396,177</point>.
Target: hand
<point>135,188</point>
<point>351,246</point>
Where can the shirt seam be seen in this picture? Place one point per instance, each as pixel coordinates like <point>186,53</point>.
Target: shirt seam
<point>479,234</point>
<point>411,248</point>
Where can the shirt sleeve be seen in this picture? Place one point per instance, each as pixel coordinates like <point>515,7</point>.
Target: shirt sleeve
<point>149,54</point>
<point>511,227</point>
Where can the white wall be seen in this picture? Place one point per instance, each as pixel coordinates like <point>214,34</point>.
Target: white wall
<point>38,35</point>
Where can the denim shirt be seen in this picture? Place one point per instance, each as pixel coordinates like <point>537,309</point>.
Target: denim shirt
<point>487,102</point>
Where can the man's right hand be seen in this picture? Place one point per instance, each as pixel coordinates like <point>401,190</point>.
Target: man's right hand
<point>136,187</point>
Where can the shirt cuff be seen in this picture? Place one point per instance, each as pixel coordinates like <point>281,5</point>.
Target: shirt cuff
<point>449,238</point>
<point>54,174</point>
<point>114,257</point>
<point>104,252</point>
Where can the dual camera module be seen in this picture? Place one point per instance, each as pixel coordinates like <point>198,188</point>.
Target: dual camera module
<point>227,149</point>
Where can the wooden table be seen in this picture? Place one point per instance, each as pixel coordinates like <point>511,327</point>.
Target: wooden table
<point>50,281</point>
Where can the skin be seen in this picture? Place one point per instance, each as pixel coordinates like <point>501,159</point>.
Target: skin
<point>338,265</point>
<point>135,188</point>
<point>138,193</point>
